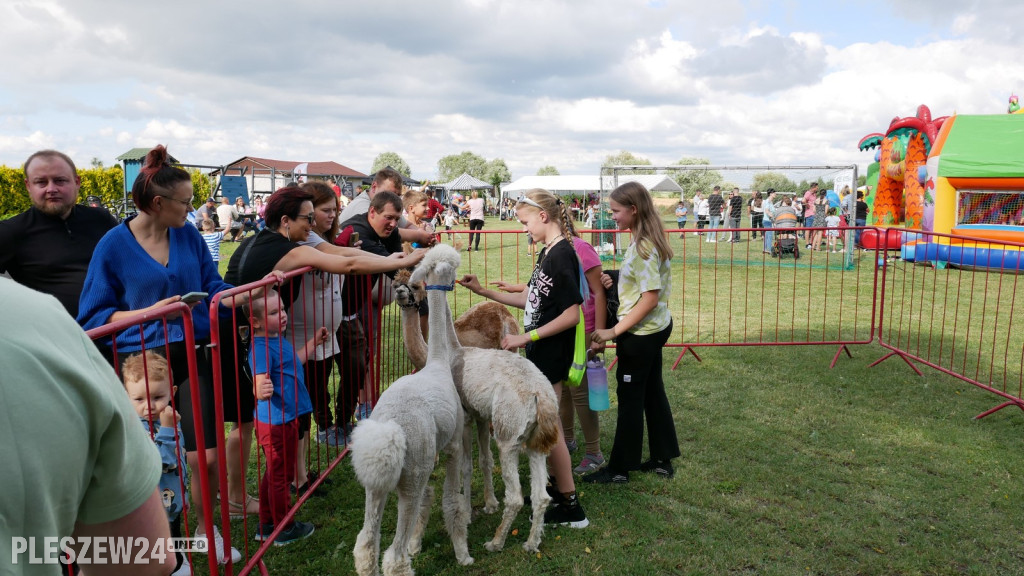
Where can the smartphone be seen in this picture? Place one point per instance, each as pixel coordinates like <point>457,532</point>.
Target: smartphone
<point>353,238</point>
<point>192,297</point>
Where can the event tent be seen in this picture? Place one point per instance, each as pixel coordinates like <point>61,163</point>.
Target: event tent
<point>586,185</point>
<point>467,182</point>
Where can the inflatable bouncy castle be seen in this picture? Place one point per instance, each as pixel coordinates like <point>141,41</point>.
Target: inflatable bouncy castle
<point>976,173</point>
<point>899,197</point>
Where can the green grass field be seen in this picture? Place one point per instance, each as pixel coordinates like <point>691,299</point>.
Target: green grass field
<point>788,467</point>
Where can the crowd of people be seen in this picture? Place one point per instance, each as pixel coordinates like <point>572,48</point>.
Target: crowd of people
<point>104,272</point>
<point>812,209</point>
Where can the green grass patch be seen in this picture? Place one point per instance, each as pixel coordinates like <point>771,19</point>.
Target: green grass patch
<point>788,467</point>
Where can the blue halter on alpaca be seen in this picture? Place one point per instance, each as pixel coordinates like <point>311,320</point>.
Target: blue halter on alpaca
<point>446,288</point>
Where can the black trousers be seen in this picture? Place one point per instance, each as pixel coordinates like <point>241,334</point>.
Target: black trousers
<point>641,394</point>
<point>475,225</point>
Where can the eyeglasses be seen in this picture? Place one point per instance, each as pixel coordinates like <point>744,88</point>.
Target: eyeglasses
<point>527,201</point>
<point>183,202</point>
<point>307,217</point>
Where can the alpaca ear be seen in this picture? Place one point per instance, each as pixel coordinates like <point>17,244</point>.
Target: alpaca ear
<point>418,275</point>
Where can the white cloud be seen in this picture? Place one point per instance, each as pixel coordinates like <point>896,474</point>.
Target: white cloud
<point>308,81</point>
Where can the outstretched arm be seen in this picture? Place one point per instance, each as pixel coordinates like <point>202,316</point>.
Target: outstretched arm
<point>361,263</point>
<point>517,299</point>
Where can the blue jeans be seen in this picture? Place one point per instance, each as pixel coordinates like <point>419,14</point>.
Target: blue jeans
<point>716,221</point>
<point>769,236</point>
<point>859,222</point>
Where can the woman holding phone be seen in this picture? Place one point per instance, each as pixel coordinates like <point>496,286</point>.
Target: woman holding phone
<point>151,260</point>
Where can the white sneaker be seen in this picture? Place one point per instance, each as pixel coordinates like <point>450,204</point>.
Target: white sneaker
<point>218,540</point>
<point>185,569</point>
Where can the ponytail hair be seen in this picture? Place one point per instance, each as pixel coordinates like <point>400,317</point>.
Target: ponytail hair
<point>648,230</point>
<point>555,209</point>
<point>156,178</point>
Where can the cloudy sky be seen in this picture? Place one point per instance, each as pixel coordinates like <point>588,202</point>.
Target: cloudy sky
<point>535,82</point>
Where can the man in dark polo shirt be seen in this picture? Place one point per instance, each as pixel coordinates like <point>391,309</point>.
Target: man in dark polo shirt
<point>359,329</point>
<point>48,247</point>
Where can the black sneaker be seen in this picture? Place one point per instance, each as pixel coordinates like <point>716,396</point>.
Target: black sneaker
<point>298,531</point>
<point>662,468</point>
<point>263,531</point>
<point>606,476</point>
<point>568,513</point>
<point>553,493</point>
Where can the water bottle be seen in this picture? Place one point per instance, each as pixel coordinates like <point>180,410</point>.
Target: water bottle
<point>597,382</point>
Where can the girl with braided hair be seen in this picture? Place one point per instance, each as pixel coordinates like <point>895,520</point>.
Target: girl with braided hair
<point>551,302</point>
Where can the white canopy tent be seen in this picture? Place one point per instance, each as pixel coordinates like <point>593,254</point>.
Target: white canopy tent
<point>586,185</point>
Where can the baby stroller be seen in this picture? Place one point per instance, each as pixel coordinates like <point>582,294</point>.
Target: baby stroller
<point>785,235</point>
<point>785,243</point>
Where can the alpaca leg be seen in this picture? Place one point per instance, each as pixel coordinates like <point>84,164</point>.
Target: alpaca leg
<point>367,549</point>
<point>467,462</point>
<point>396,558</point>
<point>416,540</point>
<point>454,506</point>
<point>540,498</point>
<point>508,452</point>
<point>483,437</point>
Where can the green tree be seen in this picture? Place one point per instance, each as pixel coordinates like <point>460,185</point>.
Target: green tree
<point>107,183</point>
<point>497,172</point>
<point>13,194</point>
<point>451,167</point>
<point>625,158</point>
<point>765,180</point>
<point>692,180</point>
<point>202,187</point>
<point>385,159</point>
<point>547,171</point>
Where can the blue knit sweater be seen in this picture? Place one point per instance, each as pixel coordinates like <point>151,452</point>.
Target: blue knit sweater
<point>122,276</point>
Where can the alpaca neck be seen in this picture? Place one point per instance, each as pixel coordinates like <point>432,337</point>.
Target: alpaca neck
<point>440,323</point>
<point>414,343</point>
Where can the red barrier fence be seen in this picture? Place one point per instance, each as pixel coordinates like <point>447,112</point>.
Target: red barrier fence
<point>744,293</point>
<point>727,293</point>
<point>179,316</point>
<point>954,310</point>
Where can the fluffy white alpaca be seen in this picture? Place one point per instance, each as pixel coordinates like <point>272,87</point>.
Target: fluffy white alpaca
<point>504,390</point>
<point>418,416</point>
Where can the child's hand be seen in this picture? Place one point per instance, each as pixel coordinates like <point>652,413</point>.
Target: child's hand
<point>515,341</point>
<point>322,336</point>
<point>507,287</point>
<point>470,281</point>
<point>169,417</point>
<point>264,389</point>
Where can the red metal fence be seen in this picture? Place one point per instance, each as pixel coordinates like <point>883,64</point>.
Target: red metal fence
<point>183,354</point>
<point>954,310</point>
<point>727,293</point>
<point>742,293</point>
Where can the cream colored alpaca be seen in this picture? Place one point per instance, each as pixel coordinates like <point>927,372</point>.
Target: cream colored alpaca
<point>396,448</point>
<point>502,389</point>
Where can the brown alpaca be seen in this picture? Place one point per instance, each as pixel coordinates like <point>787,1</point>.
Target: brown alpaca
<point>482,326</point>
<point>485,324</point>
<point>504,391</point>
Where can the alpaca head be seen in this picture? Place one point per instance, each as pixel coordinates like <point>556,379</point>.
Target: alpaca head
<point>408,294</point>
<point>438,267</point>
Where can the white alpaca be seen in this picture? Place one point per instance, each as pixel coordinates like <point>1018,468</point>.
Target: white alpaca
<point>502,389</point>
<point>417,417</point>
